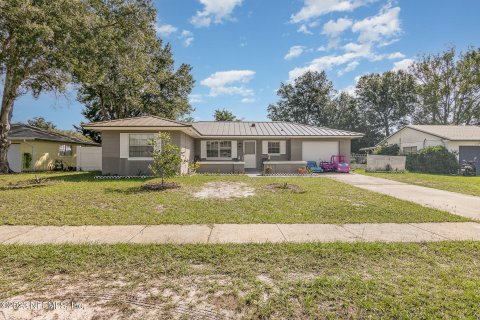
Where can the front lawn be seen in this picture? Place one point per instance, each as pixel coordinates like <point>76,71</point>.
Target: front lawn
<point>79,199</point>
<point>460,184</point>
<point>284,281</point>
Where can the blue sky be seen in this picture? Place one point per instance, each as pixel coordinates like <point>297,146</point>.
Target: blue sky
<point>241,50</point>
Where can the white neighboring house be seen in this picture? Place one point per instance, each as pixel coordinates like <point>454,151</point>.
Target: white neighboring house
<point>464,141</point>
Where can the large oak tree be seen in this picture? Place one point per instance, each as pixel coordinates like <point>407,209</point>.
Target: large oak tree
<point>101,45</point>
<point>448,87</point>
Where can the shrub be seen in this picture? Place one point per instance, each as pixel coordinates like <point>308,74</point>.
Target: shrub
<point>26,160</point>
<point>433,160</point>
<point>387,150</point>
<point>167,157</point>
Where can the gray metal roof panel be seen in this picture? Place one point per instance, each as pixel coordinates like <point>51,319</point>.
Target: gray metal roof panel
<point>248,128</point>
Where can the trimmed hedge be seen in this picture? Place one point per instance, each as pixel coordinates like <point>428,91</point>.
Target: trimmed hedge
<point>433,160</point>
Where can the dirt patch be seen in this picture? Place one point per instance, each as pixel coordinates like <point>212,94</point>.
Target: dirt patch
<point>158,186</point>
<point>224,190</point>
<point>32,183</point>
<point>284,187</point>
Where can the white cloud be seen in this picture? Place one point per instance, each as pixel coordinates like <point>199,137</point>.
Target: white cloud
<point>350,67</point>
<point>304,29</point>
<point>335,28</point>
<point>229,82</point>
<point>187,37</point>
<point>316,8</point>
<point>384,25</point>
<point>214,11</point>
<point>248,100</point>
<point>294,52</point>
<point>402,64</point>
<point>165,29</point>
<point>195,98</point>
<point>395,55</point>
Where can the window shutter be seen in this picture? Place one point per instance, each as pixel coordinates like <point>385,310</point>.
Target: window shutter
<point>203,149</point>
<point>264,147</point>
<point>124,144</point>
<point>283,147</point>
<point>234,149</point>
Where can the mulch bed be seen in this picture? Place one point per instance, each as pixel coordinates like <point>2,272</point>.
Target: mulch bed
<point>157,186</point>
<point>284,187</point>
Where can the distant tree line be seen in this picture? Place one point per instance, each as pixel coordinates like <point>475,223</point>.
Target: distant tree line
<point>439,89</point>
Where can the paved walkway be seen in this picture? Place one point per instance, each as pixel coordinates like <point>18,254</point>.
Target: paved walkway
<point>456,203</point>
<point>241,233</point>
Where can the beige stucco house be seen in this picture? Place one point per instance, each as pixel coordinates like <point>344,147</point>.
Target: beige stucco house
<point>464,141</point>
<point>226,147</point>
<point>35,149</point>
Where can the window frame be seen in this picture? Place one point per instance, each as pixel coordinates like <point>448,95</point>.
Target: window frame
<point>279,148</point>
<point>65,153</point>
<point>130,157</point>
<point>219,149</point>
<point>409,152</point>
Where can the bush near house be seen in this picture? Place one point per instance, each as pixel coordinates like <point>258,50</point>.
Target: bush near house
<point>433,160</point>
<point>387,150</point>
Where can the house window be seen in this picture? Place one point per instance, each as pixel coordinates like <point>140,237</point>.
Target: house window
<point>409,150</point>
<point>140,145</point>
<point>65,150</point>
<point>219,149</point>
<point>274,147</point>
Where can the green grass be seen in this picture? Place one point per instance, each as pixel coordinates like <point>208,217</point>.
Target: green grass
<point>78,199</point>
<point>460,184</point>
<point>362,280</point>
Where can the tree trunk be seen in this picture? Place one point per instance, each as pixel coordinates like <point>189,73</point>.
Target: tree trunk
<point>9,94</point>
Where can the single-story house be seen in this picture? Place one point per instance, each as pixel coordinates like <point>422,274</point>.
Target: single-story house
<point>225,147</point>
<point>464,141</point>
<point>35,149</point>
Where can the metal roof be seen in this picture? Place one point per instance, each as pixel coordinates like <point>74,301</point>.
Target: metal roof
<point>143,121</point>
<point>450,132</point>
<point>277,129</point>
<point>20,131</point>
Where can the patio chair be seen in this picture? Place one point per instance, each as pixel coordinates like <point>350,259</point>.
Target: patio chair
<point>312,166</point>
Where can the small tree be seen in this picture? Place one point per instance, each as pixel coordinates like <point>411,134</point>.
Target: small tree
<point>224,115</point>
<point>167,157</point>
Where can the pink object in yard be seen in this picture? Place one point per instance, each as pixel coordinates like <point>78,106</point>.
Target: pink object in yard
<point>340,164</point>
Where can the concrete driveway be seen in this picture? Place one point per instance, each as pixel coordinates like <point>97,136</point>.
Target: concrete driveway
<point>456,203</point>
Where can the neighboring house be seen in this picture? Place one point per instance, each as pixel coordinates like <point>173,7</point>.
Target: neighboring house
<point>462,140</point>
<point>219,146</point>
<point>34,149</point>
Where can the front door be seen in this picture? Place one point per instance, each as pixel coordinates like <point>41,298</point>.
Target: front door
<point>250,154</point>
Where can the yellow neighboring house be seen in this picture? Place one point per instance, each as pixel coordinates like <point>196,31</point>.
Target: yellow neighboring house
<point>35,149</point>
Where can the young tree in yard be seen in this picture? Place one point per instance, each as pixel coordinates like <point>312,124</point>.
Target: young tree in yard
<point>40,122</point>
<point>449,87</point>
<point>45,45</point>
<point>224,115</point>
<point>306,101</point>
<point>167,157</point>
<point>386,99</point>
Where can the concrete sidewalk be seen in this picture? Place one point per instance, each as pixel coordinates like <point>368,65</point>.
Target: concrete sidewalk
<point>241,233</point>
<point>456,203</point>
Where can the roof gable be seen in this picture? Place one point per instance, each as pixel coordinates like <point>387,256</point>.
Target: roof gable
<point>143,121</point>
<point>23,131</point>
<point>450,132</point>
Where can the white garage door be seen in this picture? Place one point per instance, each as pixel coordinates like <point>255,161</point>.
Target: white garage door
<point>13,157</point>
<point>319,150</point>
